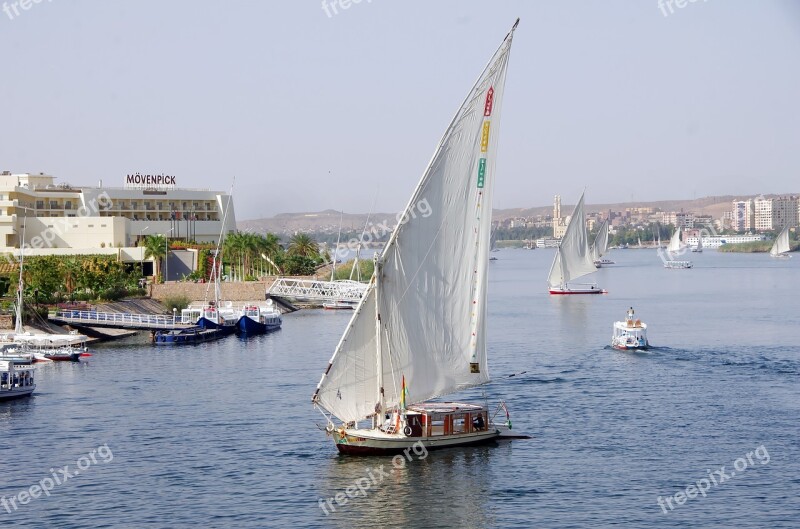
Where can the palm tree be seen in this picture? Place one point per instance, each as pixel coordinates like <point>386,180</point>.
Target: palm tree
<point>155,247</point>
<point>304,245</point>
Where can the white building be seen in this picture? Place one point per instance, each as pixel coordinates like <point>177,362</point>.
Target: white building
<point>716,241</point>
<point>763,213</point>
<point>743,215</point>
<point>63,219</point>
<point>559,223</point>
<point>772,214</point>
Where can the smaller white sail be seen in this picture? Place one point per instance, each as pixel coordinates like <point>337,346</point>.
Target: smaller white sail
<point>781,244</point>
<point>675,245</point>
<point>573,258</point>
<point>699,241</point>
<point>600,246</point>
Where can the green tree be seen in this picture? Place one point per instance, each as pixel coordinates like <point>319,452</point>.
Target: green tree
<point>305,246</point>
<point>155,247</point>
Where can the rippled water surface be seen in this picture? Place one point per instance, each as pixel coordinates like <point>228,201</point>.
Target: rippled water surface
<point>224,435</point>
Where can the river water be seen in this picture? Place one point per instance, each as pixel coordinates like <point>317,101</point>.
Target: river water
<point>224,434</point>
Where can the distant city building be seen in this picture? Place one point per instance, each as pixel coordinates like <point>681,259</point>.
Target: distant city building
<point>677,218</point>
<point>742,215</point>
<point>559,223</point>
<point>784,212</point>
<point>763,213</point>
<point>773,214</point>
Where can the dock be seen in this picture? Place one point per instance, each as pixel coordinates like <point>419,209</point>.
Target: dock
<point>119,320</point>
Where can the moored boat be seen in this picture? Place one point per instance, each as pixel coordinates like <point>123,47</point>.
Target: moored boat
<point>423,316</point>
<point>210,317</point>
<point>190,336</point>
<point>338,305</point>
<point>630,334</point>
<point>259,319</point>
<point>16,381</point>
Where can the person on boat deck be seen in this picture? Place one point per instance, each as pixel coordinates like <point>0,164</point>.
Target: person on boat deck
<point>387,423</point>
<point>478,423</point>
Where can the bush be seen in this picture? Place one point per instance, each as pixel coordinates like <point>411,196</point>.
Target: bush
<point>178,302</point>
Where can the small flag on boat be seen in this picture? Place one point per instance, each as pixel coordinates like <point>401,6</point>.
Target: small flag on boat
<point>403,394</point>
<point>508,416</point>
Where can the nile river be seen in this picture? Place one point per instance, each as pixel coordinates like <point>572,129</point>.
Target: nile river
<point>224,434</point>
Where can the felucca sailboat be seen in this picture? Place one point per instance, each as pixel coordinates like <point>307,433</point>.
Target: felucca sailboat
<point>674,248</point>
<point>573,258</point>
<point>600,246</point>
<point>781,246</point>
<point>419,332</point>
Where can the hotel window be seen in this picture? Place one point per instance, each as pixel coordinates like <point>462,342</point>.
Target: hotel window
<point>40,204</point>
<point>53,204</point>
<point>68,204</point>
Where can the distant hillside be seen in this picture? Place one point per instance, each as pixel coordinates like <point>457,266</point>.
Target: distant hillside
<point>328,220</point>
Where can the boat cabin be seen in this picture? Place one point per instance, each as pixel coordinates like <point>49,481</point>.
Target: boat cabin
<point>435,419</point>
<point>191,315</point>
<point>15,378</point>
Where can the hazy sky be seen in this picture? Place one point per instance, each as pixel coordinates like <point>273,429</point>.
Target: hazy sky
<point>311,111</point>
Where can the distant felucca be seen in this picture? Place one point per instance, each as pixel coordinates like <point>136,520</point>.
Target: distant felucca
<point>573,258</point>
<point>780,249</point>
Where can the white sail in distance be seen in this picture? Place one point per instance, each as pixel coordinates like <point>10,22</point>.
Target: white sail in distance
<point>781,244</point>
<point>675,245</point>
<point>573,258</point>
<point>600,246</point>
<point>428,295</point>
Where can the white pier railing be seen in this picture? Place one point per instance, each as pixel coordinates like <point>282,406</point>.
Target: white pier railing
<point>118,319</point>
<point>313,290</point>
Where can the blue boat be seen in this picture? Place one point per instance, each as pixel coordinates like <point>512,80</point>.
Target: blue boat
<point>191,336</point>
<point>258,320</point>
<point>210,318</point>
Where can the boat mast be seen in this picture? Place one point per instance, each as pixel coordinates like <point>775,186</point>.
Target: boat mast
<point>18,329</point>
<point>380,407</point>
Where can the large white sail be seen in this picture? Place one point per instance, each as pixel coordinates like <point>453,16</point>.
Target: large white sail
<point>429,291</point>
<point>781,244</point>
<point>600,246</point>
<point>675,242</point>
<point>573,258</point>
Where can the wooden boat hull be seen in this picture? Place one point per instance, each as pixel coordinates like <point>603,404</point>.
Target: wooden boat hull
<point>357,442</point>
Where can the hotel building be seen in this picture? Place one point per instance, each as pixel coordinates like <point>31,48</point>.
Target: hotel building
<point>49,218</point>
